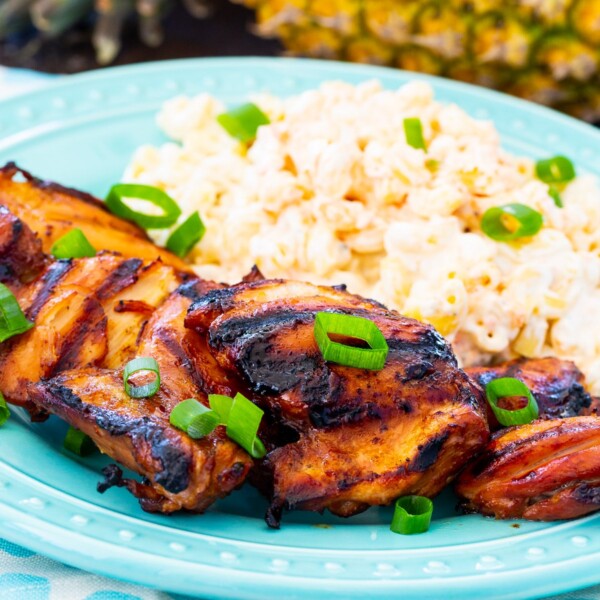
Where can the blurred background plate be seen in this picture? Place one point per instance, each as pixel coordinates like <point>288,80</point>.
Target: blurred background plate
<point>81,132</point>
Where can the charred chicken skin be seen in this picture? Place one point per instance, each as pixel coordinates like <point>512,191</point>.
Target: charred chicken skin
<point>51,210</point>
<point>21,255</point>
<point>543,471</point>
<point>546,470</point>
<point>341,438</point>
<point>557,385</point>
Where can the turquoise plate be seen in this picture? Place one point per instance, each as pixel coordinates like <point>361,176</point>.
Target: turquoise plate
<point>81,132</point>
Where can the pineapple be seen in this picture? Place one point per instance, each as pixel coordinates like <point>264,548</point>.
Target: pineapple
<point>547,51</point>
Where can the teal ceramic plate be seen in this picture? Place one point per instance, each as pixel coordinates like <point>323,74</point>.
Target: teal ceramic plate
<point>81,132</point>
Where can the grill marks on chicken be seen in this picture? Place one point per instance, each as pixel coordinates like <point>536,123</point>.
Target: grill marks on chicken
<point>355,438</point>
<point>557,385</point>
<point>543,471</point>
<point>51,211</point>
<point>76,325</point>
<point>179,472</point>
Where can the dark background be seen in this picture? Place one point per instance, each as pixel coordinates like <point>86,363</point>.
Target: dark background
<point>225,33</point>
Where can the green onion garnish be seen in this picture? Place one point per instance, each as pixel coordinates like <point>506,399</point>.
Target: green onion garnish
<point>78,443</point>
<point>555,195</point>
<point>242,425</point>
<point>243,122</point>
<point>508,387</point>
<point>203,424</point>
<point>372,358</point>
<point>221,405</point>
<point>114,202</point>
<point>4,412</point>
<point>72,245</point>
<point>556,172</point>
<point>186,236</point>
<point>412,514</point>
<point>12,319</point>
<point>194,418</point>
<point>143,363</point>
<point>413,130</point>
<point>511,222</point>
<point>240,416</point>
<point>558,169</point>
<point>184,413</point>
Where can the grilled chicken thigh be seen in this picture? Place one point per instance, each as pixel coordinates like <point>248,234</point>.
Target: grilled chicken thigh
<point>77,307</point>
<point>52,210</point>
<point>557,385</point>
<point>180,473</point>
<point>543,471</point>
<point>101,312</point>
<point>338,437</point>
<point>549,469</point>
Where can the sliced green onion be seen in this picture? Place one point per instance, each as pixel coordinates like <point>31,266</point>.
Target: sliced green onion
<point>72,245</point>
<point>114,202</point>
<point>78,443</point>
<point>186,236</point>
<point>194,418</point>
<point>558,169</point>
<point>372,358</point>
<point>496,222</point>
<point>241,417</point>
<point>185,412</point>
<point>508,387</point>
<point>257,449</point>
<point>203,424</point>
<point>143,363</point>
<point>243,122</point>
<point>556,172</point>
<point>412,514</point>
<point>413,130</point>
<point>555,195</point>
<point>221,405</point>
<point>12,319</point>
<point>242,425</point>
<point>4,412</point>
